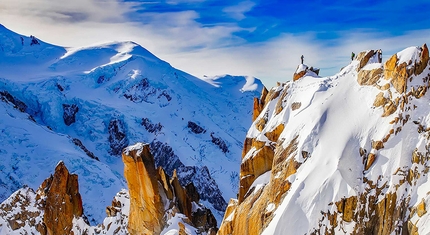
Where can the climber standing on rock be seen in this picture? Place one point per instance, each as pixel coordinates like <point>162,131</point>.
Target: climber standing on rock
<point>302,57</point>
<point>352,56</point>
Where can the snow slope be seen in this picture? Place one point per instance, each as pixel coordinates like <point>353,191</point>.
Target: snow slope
<point>83,105</point>
<point>336,119</point>
<point>350,153</point>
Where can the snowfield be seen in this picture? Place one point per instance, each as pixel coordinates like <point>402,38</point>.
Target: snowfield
<point>84,105</point>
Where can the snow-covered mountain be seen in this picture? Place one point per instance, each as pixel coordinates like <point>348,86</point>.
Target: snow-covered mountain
<point>84,105</point>
<point>344,154</point>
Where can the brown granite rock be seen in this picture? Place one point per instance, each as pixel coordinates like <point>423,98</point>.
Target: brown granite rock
<point>424,59</point>
<point>364,57</point>
<point>259,103</point>
<point>421,209</point>
<point>163,178</point>
<point>297,76</point>
<point>369,77</point>
<point>63,201</point>
<point>184,202</point>
<point>146,207</point>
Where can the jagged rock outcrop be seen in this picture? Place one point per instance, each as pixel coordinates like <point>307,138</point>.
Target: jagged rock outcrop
<point>208,190</point>
<point>51,210</point>
<point>18,211</point>
<point>151,127</point>
<point>69,113</point>
<point>18,104</point>
<point>195,128</point>
<point>374,182</point>
<point>117,136</point>
<point>150,206</point>
<point>146,206</point>
<point>79,143</point>
<point>62,200</point>
<point>259,103</point>
<point>303,69</point>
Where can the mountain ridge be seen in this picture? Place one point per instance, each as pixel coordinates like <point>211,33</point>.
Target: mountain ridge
<point>97,100</point>
<point>344,154</point>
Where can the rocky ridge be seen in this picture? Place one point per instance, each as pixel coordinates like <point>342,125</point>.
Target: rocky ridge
<point>347,154</point>
<point>154,204</point>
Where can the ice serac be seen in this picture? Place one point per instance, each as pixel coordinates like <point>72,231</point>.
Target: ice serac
<point>350,153</point>
<point>146,207</point>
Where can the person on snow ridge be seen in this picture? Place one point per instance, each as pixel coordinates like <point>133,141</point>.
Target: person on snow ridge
<point>302,57</point>
<point>352,56</point>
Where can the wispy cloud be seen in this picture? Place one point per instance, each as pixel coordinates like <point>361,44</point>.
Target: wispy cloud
<point>196,37</point>
<point>238,11</point>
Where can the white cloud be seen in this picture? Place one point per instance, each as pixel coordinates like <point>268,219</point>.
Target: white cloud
<point>176,2</point>
<point>238,11</point>
<point>181,40</point>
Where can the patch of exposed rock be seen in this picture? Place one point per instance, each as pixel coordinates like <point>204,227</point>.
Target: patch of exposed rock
<point>303,70</point>
<point>69,113</point>
<point>117,136</point>
<point>147,187</point>
<point>63,201</point>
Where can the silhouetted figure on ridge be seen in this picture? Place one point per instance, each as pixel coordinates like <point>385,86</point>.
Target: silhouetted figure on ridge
<point>302,57</point>
<point>33,40</point>
<point>352,56</point>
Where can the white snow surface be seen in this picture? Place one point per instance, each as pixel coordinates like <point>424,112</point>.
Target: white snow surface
<point>335,119</point>
<point>117,81</point>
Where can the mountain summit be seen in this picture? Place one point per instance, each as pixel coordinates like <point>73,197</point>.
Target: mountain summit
<point>345,154</point>
<point>82,106</point>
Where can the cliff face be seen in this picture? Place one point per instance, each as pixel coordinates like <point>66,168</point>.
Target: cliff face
<point>146,207</point>
<point>154,204</point>
<point>62,201</point>
<point>154,198</point>
<point>347,154</point>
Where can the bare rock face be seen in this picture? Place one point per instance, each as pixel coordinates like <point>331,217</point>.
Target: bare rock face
<point>424,59</point>
<point>48,211</point>
<point>146,207</point>
<point>364,57</point>
<point>259,103</point>
<point>152,199</point>
<point>63,201</point>
<point>369,77</point>
<point>69,113</point>
<point>117,136</point>
<point>184,202</point>
<point>398,73</point>
<point>253,211</point>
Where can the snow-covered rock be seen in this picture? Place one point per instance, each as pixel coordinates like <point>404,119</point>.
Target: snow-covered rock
<point>349,153</point>
<point>154,204</point>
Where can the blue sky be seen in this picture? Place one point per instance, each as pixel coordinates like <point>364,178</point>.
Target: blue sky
<point>258,38</point>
